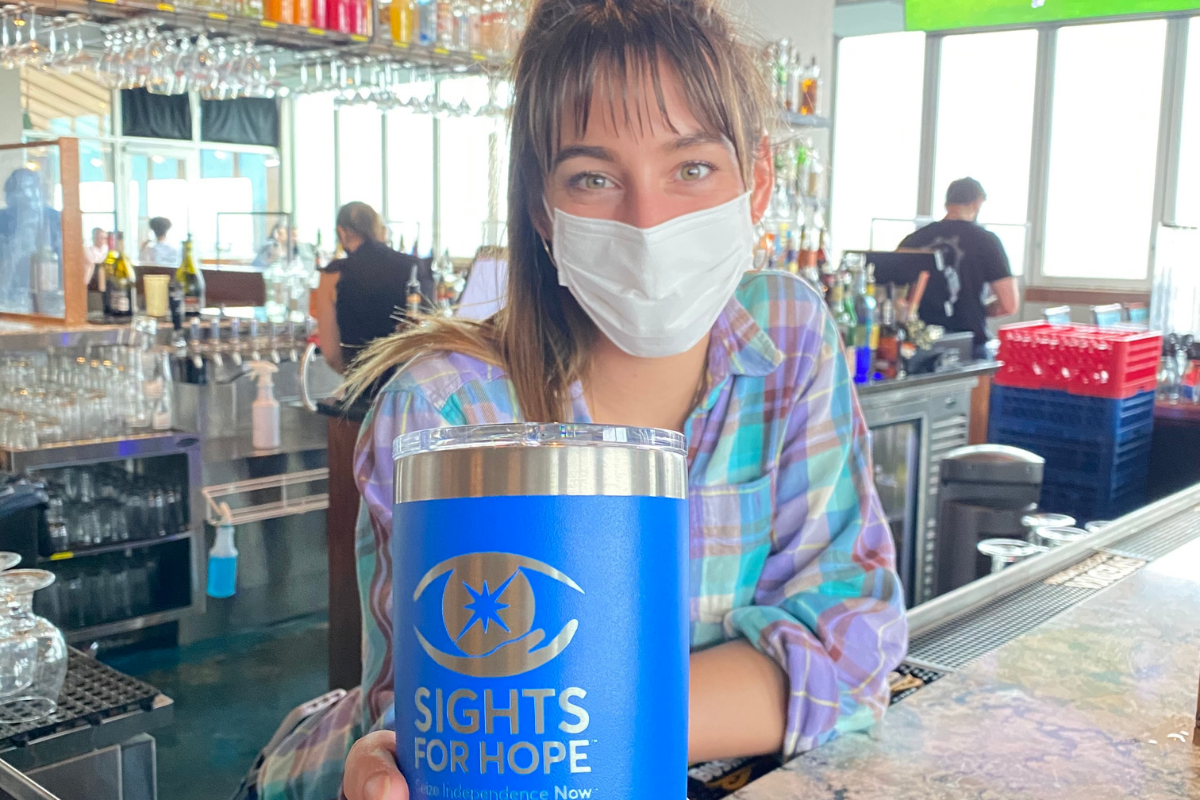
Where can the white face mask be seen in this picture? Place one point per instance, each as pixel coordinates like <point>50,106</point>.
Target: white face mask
<point>655,291</point>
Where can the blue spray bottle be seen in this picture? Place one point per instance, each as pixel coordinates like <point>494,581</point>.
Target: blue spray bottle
<point>222,559</point>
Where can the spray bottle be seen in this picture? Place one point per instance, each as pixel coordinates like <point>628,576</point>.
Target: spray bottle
<point>222,559</point>
<point>265,416</point>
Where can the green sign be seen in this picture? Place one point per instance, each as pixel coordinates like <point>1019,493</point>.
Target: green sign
<point>940,15</point>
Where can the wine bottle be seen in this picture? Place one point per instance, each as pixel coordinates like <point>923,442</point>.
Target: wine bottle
<point>191,280</point>
<point>118,280</point>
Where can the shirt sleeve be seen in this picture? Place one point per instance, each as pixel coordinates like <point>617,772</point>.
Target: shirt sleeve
<point>995,265</point>
<point>828,606</point>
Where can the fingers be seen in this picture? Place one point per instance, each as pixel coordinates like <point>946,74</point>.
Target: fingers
<point>371,771</point>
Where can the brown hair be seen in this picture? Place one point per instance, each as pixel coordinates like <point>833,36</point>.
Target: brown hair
<point>571,49</point>
<point>361,219</point>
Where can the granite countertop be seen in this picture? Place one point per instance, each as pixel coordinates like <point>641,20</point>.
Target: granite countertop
<point>1097,703</point>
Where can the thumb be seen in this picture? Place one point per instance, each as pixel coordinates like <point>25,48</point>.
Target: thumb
<point>371,771</point>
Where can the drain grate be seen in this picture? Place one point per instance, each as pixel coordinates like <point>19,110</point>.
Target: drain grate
<point>958,641</point>
<point>1161,540</point>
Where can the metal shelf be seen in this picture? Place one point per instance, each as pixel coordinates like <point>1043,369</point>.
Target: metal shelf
<point>70,555</point>
<point>126,625</point>
<point>91,451</point>
<point>286,505</point>
<point>791,119</point>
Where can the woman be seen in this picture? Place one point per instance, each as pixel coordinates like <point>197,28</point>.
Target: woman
<point>632,115</point>
<point>362,296</point>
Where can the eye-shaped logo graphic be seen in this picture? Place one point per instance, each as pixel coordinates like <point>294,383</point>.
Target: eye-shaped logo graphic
<point>488,609</point>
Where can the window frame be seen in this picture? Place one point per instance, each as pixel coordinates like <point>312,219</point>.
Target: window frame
<point>1166,184</point>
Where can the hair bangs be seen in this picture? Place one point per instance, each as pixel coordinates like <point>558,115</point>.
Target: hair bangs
<point>621,55</point>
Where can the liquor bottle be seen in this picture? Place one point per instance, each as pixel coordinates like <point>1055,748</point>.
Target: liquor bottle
<point>460,36</point>
<point>319,13</point>
<point>864,330</point>
<point>191,281</point>
<point>280,11</point>
<point>412,302</point>
<point>315,278</point>
<point>118,289</point>
<point>303,12</point>
<point>795,77</point>
<point>445,23</point>
<point>360,17</point>
<point>403,17</point>
<point>887,355</point>
<point>843,314</point>
<point>810,87</point>
<point>871,293</point>
<point>427,22</point>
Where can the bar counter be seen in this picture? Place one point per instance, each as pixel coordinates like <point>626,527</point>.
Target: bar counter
<point>1097,702</point>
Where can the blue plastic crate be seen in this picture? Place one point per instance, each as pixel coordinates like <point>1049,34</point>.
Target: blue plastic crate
<point>1058,415</point>
<point>1105,466</point>
<point>1088,504</point>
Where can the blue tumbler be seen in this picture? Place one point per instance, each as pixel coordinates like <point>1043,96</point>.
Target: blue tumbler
<point>540,600</point>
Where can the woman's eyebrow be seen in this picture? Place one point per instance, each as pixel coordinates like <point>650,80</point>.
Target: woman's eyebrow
<point>584,151</point>
<point>692,140</point>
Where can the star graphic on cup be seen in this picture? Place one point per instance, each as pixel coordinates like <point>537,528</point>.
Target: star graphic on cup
<point>485,605</point>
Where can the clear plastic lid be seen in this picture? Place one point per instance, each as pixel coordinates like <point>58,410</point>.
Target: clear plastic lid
<point>534,434</point>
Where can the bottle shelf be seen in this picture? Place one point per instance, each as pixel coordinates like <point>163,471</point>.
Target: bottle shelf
<point>793,120</point>
<point>263,31</point>
<point>115,547</point>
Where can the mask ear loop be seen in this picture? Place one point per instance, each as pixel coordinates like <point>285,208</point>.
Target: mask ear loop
<point>761,256</point>
<point>546,247</point>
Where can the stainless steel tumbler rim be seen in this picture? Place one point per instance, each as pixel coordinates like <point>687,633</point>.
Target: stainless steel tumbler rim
<point>533,459</point>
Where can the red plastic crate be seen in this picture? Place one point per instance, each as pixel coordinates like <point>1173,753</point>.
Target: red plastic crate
<point>1079,359</point>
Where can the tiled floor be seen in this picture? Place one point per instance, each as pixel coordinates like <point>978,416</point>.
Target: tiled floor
<point>230,694</point>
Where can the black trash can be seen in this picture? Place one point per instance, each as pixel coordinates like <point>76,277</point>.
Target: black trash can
<point>983,492</point>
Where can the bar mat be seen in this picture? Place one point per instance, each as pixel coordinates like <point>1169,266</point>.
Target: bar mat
<point>718,779</point>
<point>91,693</point>
<point>907,679</point>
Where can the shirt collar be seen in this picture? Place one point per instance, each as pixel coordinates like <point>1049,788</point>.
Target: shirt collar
<point>737,346</point>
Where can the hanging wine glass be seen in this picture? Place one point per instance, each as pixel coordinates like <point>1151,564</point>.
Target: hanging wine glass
<point>33,50</point>
<point>81,59</point>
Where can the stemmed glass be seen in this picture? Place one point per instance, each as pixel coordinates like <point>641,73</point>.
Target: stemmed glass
<point>491,108</point>
<point>6,45</point>
<point>33,49</point>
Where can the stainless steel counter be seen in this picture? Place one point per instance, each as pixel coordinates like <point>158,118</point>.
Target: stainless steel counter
<point>1095,698</point>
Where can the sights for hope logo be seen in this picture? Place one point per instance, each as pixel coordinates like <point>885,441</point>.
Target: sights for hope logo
<point>488,607</point>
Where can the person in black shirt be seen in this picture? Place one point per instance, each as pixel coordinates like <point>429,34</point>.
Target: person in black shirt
<point>362,296</point>
<point>973,259</point>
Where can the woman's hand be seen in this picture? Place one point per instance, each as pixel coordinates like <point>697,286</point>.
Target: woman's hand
<point>371,771</point>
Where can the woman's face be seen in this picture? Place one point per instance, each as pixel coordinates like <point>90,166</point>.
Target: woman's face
<point>644,175</point>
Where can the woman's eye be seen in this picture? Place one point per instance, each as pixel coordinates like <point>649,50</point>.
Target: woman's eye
<point>694,172</point>
<point>592,181</point>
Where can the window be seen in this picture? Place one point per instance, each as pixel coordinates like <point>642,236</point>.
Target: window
<point>158,187</point>
<point>410,172</point>
<point>466,163</point>
<point>236,203</point>
<point>360,156</point>
<point>315,209</point>
<point>877,141</point>
<point>97,191</point>
<point>985,126</point>
<point>62,104</point>
<point>1103,150</point>
<point>1187,201</point>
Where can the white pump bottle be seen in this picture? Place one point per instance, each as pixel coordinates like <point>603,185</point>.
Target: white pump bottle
<point>265,415</point>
